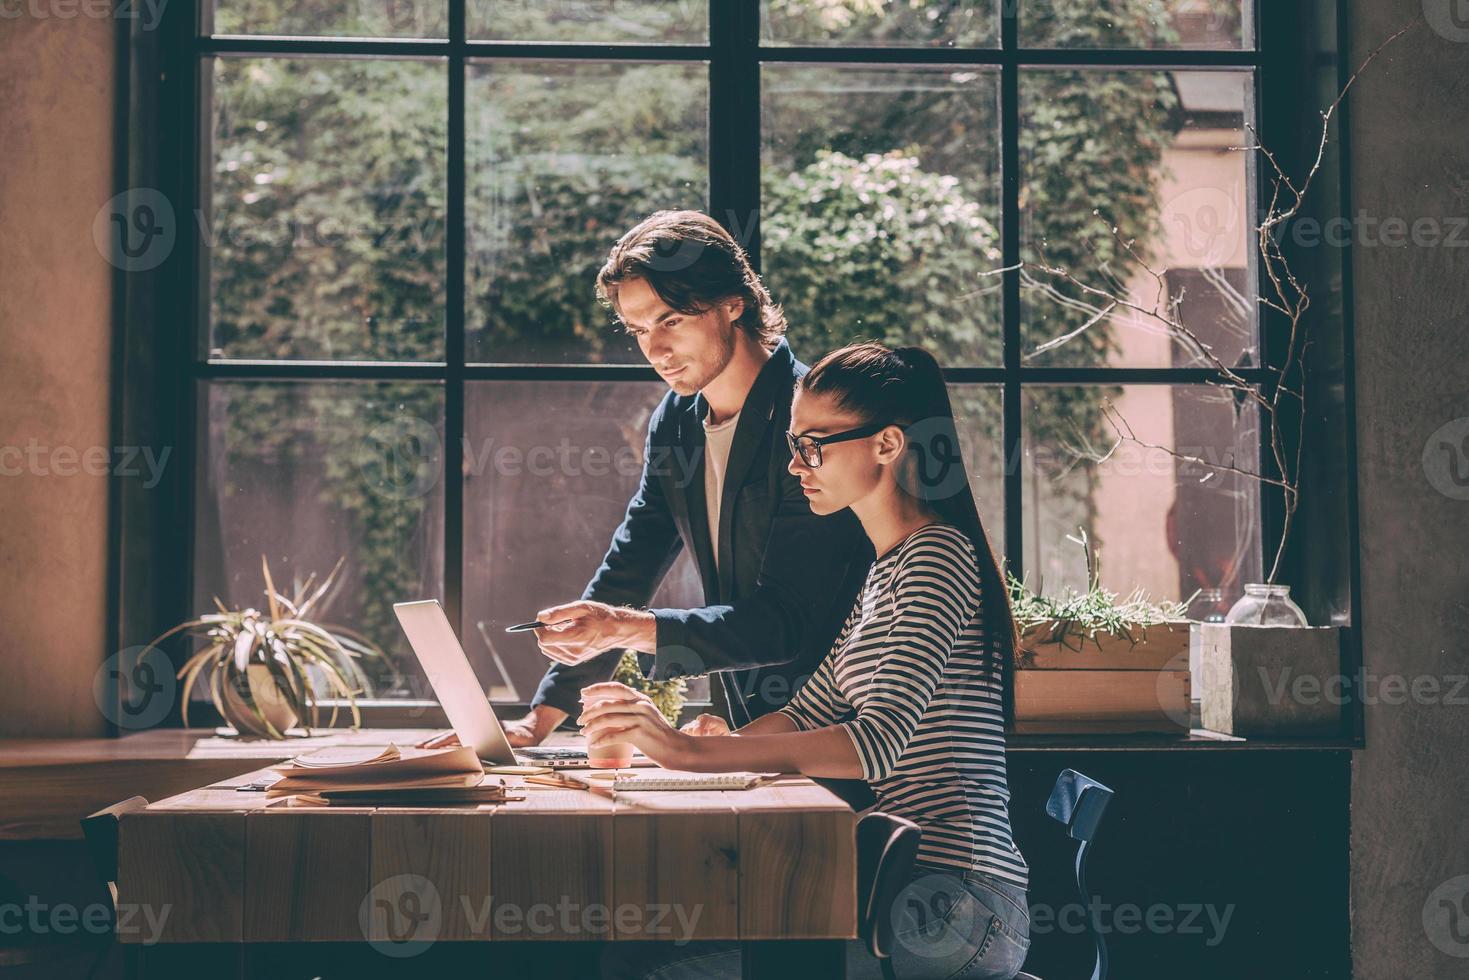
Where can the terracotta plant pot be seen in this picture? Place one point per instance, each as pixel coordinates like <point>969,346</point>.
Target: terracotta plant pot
<point>266,695</point>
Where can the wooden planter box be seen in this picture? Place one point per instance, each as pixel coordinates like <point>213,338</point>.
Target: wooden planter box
<point>1109,683</point>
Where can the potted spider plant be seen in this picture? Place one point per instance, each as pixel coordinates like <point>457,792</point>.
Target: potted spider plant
<point>1096,661</point>
<point>268,670</point>
<point>668,696</point>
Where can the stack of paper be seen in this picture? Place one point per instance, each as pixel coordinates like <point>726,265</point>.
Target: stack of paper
<point>367,775</point>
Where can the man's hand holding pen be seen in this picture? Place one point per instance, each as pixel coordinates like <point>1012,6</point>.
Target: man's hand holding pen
<point>578,631</point>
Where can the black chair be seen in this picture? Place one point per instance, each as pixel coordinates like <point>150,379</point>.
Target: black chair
<point>886,849</point>
<point>100,832</point>
<point>1077,802</point>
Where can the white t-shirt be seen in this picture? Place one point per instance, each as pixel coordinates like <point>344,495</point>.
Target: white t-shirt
<point>717,440</point>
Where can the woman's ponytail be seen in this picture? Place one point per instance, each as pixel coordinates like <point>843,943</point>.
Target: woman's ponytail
<point>906,385</point>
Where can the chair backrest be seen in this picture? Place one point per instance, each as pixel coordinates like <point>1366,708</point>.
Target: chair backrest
<point>100,831</point>
<point>886,848</point>
<point>1077,802</point>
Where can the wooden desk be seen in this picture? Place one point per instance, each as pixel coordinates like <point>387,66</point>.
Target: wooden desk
<point>773,867</point>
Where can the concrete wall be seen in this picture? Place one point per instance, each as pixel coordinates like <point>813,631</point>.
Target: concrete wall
<point>1410,160</point>
<point>56,115</point>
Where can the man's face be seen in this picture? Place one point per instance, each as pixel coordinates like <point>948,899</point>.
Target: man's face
<point>687,351</point>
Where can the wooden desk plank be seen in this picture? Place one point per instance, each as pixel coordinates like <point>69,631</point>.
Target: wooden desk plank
<point>434,864</point>
<point>798,876</point>
<point>677,867</point>
<point>188,868</point>
<point>307,874</point>
<point>551,867</point>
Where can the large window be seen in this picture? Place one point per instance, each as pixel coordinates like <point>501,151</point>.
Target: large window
<point>400,362</point>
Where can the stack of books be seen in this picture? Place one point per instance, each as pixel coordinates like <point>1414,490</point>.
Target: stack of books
<point>385,776</point>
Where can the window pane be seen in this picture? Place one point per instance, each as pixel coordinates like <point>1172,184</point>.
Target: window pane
<point>309,473</point>
<point>562,159</point>
<point>1166,525</point>
<point>881,207</point>
<point>604,21</point>
<point>329,18</point>
<point>979,411</point>
<point>881,23</point>
<point>1147,158</point>
<point>549,468</point>
<point>326,237</point>
<point>1136,24</point>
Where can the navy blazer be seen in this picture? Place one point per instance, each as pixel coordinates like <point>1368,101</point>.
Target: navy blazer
<point>788,577</point>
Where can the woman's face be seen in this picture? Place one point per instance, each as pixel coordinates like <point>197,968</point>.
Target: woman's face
<point>849,471</point>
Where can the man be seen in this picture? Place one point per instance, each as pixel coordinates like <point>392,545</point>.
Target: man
<point>778,580</point>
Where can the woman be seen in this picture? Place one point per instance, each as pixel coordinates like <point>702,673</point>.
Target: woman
<point>910,696</point>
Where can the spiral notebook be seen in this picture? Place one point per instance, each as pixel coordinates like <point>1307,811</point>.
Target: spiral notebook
<point>623,781</point>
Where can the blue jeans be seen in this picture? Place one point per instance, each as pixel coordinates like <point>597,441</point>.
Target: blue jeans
<point>946,923</point>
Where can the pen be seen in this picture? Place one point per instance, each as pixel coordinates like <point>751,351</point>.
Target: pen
<point>534,624</point>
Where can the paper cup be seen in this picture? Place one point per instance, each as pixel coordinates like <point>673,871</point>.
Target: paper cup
<point>609,755</point>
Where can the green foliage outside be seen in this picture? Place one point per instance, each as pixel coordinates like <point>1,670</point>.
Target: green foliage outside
<point>878,220</point>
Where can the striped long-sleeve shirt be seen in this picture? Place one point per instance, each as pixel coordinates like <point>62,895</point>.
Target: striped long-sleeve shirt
<point>915,682</point>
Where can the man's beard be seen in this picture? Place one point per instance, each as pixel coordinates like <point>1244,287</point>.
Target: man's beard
<point>723,354</point>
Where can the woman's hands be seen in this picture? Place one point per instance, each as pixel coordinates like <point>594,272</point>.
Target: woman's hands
<point>707,724</point>
<point>616,713</point>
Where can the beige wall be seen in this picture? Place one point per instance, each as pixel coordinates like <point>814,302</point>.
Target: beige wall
<point>56,112</point>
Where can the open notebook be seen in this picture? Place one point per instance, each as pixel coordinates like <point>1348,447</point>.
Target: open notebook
<point>620,780</point>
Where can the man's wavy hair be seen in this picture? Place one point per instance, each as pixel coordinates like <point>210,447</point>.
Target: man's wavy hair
<point>692,263</point>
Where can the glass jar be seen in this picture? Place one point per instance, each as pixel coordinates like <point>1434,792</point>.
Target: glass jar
<point>1266,605</point>
<point>1207,606</point>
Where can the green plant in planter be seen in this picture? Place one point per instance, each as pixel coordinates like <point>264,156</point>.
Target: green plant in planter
<point>1084,616</point>
<point>668,696</point>
<point>263,668</point>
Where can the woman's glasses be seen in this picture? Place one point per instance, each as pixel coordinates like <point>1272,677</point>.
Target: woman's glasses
<point>808,448</point>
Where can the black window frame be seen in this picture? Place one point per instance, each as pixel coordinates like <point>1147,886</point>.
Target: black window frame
<point>162,115</point>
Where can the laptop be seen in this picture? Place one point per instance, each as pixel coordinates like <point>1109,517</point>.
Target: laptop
<point>458,690</point>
